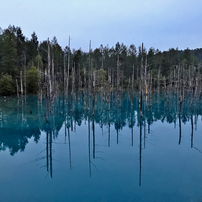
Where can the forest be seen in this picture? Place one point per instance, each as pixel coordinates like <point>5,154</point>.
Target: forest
<point>28,66</point>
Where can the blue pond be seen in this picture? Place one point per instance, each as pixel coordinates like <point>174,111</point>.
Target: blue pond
<point>115,155</point>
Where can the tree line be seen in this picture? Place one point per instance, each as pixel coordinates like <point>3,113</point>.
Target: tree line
<point>29,66</point>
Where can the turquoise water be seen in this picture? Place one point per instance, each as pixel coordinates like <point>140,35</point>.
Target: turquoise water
<point>112,156</point>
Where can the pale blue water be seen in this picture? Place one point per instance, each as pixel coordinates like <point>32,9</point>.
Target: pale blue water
<point>113,156</point>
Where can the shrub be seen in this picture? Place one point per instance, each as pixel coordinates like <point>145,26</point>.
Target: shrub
<point>6,85</point>
<point>32,80</point>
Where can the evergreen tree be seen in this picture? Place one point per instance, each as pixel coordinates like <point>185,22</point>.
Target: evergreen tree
<point>32,47</point>
<point>21,47</point>
<point>8,51</point>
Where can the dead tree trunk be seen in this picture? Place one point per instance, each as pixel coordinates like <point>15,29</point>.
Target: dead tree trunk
<point>48,84</point>
<point>68,66</point>
<point>141,83</point>
<point>17,88</point>
<point>158,85</point>
<point>21,86</point>
<point>25,78</point>
<point>73,86</point>
<point>64,76</point>
<point>93,94</point>
<point>89,76</point>
<point>54,88</point>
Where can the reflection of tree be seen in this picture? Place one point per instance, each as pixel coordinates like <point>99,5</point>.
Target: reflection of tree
<point>49,129</point>
<point>192,134</point>
<point>90,160</point>
<point>93,128</point>
<point>109,134</point>
<point>180,130</point>
<point>16,119</point>
<point>18,125</point>
<point>70,157</point>
<point>140,155</point>
<point>49,158</point>
<point>16,139</point>
<point>89,156</point>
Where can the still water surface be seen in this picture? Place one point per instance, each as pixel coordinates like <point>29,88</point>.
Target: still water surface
<point>112,156</point>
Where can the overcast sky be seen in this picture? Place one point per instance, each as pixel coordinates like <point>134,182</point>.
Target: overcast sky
<point>161,24</point>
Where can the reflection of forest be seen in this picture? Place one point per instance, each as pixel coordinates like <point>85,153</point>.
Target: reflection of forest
<point>18,124</point>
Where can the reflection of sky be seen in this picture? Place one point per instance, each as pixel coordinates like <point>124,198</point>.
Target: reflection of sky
<point>159,24</point>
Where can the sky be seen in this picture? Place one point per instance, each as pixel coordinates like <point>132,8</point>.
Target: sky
<point>161,24</point>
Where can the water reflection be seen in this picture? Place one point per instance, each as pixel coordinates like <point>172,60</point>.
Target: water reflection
<point>20,121</point>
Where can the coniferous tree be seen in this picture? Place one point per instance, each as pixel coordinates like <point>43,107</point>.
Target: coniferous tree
<point>8,51</point>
